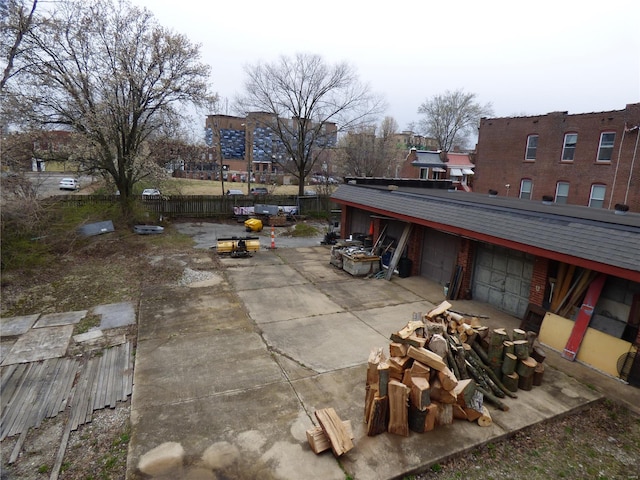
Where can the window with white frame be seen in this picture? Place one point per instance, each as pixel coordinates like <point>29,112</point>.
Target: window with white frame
<point>526,187</point>
<point>569,147</point>
<point>532,147</point>
<point>596,198</point>
<point>605,149</point>
<point>562,192</point>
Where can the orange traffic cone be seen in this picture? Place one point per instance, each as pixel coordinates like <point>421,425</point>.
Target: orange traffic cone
<point>273,237</point>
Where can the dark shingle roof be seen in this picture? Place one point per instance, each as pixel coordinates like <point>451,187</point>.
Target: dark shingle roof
<point>596,235</point>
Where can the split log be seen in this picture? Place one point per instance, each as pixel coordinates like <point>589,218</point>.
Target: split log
<point>375,357</point>
<point>509,363</point>
<point>439,310</point>
<point>412,340</point>
<point>383,378</point>
<point>378,420</point>
<point>319,442</point>
<point>417,419</point>
<point>371,392</point>
<point>511,381</point>
<point>464,392</point>
<point>447,379</point>
<point>410,328</point>
<point>433,328</point>
<point>485,419</point>
<point>459,413</point>
<point>521,349</point>
<point>397,349</point>
<point>395,372</point>
<point>444,415</point>
<point>398,408</point>
<point>334,430</point>
<point>401,362</point>
<point>439,394</point>
<point>420,392</point>
<point>438,345</point>
<point>456,317</point>
<point>526,367</point>
<point>419,369</point>
<point>538,373</point>
<point>430,419</point>
<point>427,357</point>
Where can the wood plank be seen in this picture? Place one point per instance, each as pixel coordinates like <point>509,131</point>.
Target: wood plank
<point>393,263</point>
<point>334,430</point>
<point>319,442</point>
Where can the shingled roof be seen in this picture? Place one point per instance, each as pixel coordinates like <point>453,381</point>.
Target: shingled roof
<point>593,238</point>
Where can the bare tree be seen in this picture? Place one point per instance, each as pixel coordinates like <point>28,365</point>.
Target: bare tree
<point>107,70</point>
<point>308,103</point>
<point>452,117</point>
<point>16,21</point>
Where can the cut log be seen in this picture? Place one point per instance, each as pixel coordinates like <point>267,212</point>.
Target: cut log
<point>398,408</point>
<point>417,419</point>
<point>334,430</point>
<point>459,413</point>
<point>511,381</point>
<point>319,442</point>
<point>525,383</point>
<point>521,349</point>
<point>456,317</point>
<point>440,309</point>
<point>378,421</point>
<point>526,367</point>
<point>397,349</point>
<point>496,347</point>
<point>474,408</point>
<point>427,357</point>
<point>519,334</point>
<point>401,362</point>
<point>539,354</point>
<point>508,347</point>
<point>509,363</point>
<point>420,392</point>
<point>433,328</point>
<point>447,379</point>
<point>371,392</point>
<point>538,373</point>
<point>438,345</point>
<point>395,372</point>
<point>485,419</point>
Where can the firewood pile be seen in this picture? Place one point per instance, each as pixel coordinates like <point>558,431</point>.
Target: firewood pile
<point>444,366</point>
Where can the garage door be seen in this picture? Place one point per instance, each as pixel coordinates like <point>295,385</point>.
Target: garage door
<point>502,278</point>
<point>439,254</point>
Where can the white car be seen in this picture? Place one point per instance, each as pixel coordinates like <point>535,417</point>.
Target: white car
<point>150,192</point>
<point>69,184</point>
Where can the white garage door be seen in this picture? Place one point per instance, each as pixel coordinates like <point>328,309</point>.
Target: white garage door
<point>502,278</point>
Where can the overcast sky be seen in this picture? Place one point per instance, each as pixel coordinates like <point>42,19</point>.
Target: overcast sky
<point>525,58</point>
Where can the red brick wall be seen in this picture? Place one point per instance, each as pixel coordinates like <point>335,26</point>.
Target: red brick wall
<point>502,142</point>
<point>539,281</point>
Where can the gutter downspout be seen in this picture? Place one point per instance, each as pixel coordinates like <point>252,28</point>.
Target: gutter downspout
<point>615,174</point>
<point>633,160</point>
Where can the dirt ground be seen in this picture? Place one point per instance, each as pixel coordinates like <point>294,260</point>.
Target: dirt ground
<point>602,442</point>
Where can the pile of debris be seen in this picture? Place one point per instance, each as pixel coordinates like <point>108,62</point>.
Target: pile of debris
<point>443,366</point>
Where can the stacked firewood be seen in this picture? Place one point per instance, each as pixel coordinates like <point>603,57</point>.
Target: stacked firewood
<point>445,365</point>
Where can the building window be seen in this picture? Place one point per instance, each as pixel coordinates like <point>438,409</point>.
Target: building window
<point>605,150</point>
<point>596,199</point>
<point>532,147</point>
<point>569,148</point>
<point>526,187</point>
<point>562,192</point>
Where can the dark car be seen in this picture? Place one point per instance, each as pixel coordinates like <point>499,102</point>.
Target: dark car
<point>259,191</point>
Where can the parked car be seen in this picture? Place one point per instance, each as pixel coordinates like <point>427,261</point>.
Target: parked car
<point>150,192</point>
<point>69,184</point>
<point>233,191</point>
<point>259,191</point>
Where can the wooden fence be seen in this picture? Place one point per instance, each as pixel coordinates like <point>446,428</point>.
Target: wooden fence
<point>202,206</point>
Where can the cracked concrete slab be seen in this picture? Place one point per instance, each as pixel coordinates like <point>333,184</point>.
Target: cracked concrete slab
<point>12,326</point>
<point>40,344</point>
<point>59,319</point>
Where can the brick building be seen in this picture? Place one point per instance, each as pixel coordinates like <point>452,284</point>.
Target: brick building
<point>250,143</point>
<point>590,159</point>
